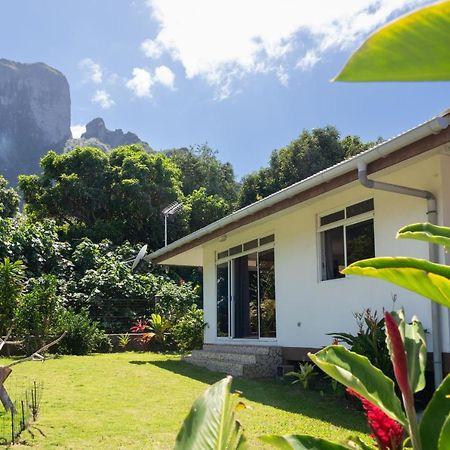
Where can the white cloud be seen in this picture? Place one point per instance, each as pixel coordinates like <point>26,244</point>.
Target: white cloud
<point>308,61</point>
<point>77,130</point>
<point>92,70</point>
<point>142,81</point>
<point>103,99</point>
<point>164,76</point>
<point>224,40</point>
<point>151,49</point>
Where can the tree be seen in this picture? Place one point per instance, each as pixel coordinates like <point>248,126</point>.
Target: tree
<point>310,153</point>
<point>204,209</point>
<point>352,145</point>
<point>200,167</point>
<point>9,199</point>
<point>118,196</point>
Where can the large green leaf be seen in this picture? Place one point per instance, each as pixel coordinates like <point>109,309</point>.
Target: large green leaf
<point>414,47</point>
<point>426,232</point>
<point>435,415</point>
<point>301,442</point>
<point>418,275</point>
<point>356,372</point>
<point>444,436</point>
<point>413,336</point>
<point>211,423</point>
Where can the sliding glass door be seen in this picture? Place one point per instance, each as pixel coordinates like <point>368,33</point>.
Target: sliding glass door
<point>246,306</point>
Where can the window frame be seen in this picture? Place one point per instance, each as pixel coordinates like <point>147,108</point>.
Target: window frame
<point>229,261</point>
<point>369,215</point>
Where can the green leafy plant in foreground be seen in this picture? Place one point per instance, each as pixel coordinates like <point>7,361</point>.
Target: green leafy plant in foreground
<point>211,423</point>
<point>414,47</point>
<point>407,349</point>
<point>370,340</point>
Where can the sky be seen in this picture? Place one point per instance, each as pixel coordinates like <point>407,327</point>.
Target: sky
<point>245,76</point>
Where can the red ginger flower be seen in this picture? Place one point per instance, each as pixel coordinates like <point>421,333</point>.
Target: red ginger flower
<point>398,357</point>
<point>387,432</point>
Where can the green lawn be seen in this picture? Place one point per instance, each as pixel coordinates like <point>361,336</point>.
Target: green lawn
<point>139,400</point>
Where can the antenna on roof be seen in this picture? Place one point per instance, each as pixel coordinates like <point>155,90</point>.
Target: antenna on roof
<point>170,210</point>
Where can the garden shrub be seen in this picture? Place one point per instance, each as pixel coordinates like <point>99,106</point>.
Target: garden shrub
<point>83,335</point>
<point>369,341</point>
<point>187,333</point>
<point>174,301</point>
<point>12,283</point>
<point>39,312</point>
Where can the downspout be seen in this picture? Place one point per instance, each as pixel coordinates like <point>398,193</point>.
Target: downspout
<point>432,249</point>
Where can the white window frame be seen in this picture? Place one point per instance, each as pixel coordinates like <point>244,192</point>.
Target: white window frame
<point>231,314</point>
<point>339,223</point>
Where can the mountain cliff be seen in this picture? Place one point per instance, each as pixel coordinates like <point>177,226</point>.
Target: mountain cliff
<point>97,135</point>
<point>34,115</point>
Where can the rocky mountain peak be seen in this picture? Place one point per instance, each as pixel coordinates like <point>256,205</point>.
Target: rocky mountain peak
<point>96,128</point>
<point>34,115</point>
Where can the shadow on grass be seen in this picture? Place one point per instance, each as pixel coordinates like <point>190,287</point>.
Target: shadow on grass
<point>276,394</point>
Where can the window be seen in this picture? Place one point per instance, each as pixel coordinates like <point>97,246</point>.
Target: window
<point>245,276</point>
<point>346,236</point>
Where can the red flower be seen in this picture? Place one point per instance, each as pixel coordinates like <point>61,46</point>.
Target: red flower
<point>399,361</point>
<point>139,327</point>
<point>387,432</point>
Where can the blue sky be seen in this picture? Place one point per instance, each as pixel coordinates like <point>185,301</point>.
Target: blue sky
<point>244,76</point>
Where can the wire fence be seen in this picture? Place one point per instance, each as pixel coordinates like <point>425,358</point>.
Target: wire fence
<point>117,315</point>
<point>27,401</point>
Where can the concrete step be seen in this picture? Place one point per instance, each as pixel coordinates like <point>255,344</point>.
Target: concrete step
<point>241,358</point>
<point>238,360</point>
<point>241,349</point>
<point>226,367</point>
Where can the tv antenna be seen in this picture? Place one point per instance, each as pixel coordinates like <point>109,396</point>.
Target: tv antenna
<point>170,210</point>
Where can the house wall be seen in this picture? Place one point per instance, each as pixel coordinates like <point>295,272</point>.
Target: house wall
<point>307,308</point>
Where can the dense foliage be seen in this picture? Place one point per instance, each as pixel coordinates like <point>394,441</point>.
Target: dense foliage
<point>118,195</point>
<point>200,168</point>
<point>9,199</point>
<point>310,153</point>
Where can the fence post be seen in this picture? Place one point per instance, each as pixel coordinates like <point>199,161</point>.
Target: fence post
<point>23,417</point>
<point>12,428</point>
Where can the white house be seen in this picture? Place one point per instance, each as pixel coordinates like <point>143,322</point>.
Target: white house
<point>271,277</point>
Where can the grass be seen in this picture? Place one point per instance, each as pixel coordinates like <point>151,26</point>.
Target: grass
<point>139,401</point>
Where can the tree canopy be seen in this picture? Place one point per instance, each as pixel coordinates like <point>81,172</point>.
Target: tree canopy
<point>9,199</point>
<point>117,195</point>
<point>310,153</point>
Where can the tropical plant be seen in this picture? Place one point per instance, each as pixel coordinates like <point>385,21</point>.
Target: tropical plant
<point>369,341</point>
<point>124,340</point>
<point>187,333</point>
<point>83,336</point>
<point>411,48</point>
<point>159,327</point>
<point>12,284</point>
<point>154,330</point>
<point>304,375</point>
<point>423,277</point>
<point>211,422</point>
<point>39,312</point>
